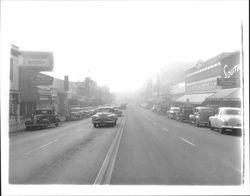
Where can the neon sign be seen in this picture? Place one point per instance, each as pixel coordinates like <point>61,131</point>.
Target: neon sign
<point>228,74</point>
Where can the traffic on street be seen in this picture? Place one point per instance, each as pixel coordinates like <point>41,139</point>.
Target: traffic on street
<point>124,96</point>
<point>143,148</point>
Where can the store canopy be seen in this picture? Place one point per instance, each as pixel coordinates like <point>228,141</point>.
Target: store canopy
<point>233,93</point>
<point>193,98</point>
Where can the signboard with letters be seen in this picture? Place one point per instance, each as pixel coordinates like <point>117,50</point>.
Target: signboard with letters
<point>42,61</point>
<point>42,79</point>
<point>231,68</point>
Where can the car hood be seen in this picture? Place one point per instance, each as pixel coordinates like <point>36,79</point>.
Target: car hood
<point>171,111</point>
<point>104,113</point>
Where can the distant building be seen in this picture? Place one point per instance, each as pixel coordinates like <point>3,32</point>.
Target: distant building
<point>14,93</point>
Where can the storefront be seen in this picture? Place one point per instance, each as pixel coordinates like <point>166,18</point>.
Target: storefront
<point>30,65</point>
<point>207,81</point>
<point>225,98</point>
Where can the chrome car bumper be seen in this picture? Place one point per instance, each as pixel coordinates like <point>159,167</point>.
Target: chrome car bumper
<point>231,128</point>
<point>103,121</point>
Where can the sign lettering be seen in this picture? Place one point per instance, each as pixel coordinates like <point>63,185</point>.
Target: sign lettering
<point>228,74</point>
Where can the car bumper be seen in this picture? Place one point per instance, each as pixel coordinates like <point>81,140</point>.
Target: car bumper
<point>231,128</point>
<point>204,122</point>
<point>103,121</point>
<point>36,125</point>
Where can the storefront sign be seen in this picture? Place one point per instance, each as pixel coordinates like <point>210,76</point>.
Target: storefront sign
<point>42,61</point>
<point>228,73</point>
<point>42,79</point>
<point>202,87</point>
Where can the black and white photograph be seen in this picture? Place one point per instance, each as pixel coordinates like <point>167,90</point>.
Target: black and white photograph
<point>125,97</point>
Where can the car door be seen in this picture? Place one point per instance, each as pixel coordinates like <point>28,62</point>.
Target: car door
<point>220,119</point>
<point>213,119</point>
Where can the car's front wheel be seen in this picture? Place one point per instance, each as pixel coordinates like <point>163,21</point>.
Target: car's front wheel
<point>95,125</point>
<point>197,124</point>
<point>210,125</point>
<point>221,130</point>
<point>46,125</point>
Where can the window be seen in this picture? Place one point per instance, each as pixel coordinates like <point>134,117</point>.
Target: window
<point>232,112</point>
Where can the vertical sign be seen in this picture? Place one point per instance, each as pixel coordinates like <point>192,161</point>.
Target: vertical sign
<point>66,83</point>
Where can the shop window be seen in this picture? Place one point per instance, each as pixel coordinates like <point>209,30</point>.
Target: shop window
<point>11,69</point>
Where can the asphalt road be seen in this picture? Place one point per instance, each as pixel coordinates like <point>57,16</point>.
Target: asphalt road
<point>157,150</point>
<point>69,154</point>
<point>149,149</point>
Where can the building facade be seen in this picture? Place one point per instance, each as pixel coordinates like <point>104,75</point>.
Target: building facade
<point>214,76</point>
<point>14,93</point>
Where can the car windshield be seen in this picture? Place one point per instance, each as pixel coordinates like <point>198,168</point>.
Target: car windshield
<point>105,110</point>
<point>232,112</point>
<point>175,109</point>
<point>74,109</point>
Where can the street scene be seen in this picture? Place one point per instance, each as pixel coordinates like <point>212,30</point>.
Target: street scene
<point>102,97</point>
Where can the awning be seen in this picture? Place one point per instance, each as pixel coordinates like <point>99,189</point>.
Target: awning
<point>193,98</point>
<point>233,93</point>
<point>175,97</point>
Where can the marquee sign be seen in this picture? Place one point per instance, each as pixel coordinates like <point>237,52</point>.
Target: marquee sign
<point>42,79</point>
<point>202,87</point>
<point>42,61</point>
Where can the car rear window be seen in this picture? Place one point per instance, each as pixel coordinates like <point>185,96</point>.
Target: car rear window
<point>232,112</point>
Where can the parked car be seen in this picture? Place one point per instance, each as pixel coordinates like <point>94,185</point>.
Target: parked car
<point>123,106</point>
<point>74,114</point>
<point>42,118</point>
<point>226,119</point>
<point>172,113</point>
<point>184,113</point>
<point>84,113</point>
<point>201,115</point>
<point>104,116</point>
<point>117,111</point>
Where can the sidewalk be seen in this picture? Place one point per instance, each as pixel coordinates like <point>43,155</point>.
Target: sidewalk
<point>13,126</point>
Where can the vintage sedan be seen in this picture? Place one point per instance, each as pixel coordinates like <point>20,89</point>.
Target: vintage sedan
<point>74,114</point>
<point>42,118</point>
<point>226,119</point>
<point>201,115</point>
<point>117,111</point>
<point>172,113</point>
<point>104,116</point>
<point>184,113</point>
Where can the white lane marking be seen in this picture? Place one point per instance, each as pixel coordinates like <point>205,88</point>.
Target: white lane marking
<point>228,164</point>
<point>108,164</point>
<point>38,148</point>
<point>187,141</point>
<point>165,129</point>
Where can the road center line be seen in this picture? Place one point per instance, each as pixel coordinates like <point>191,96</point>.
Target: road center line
<point>165,129</point>
<point>35,149</point>
<point>187,141</point>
